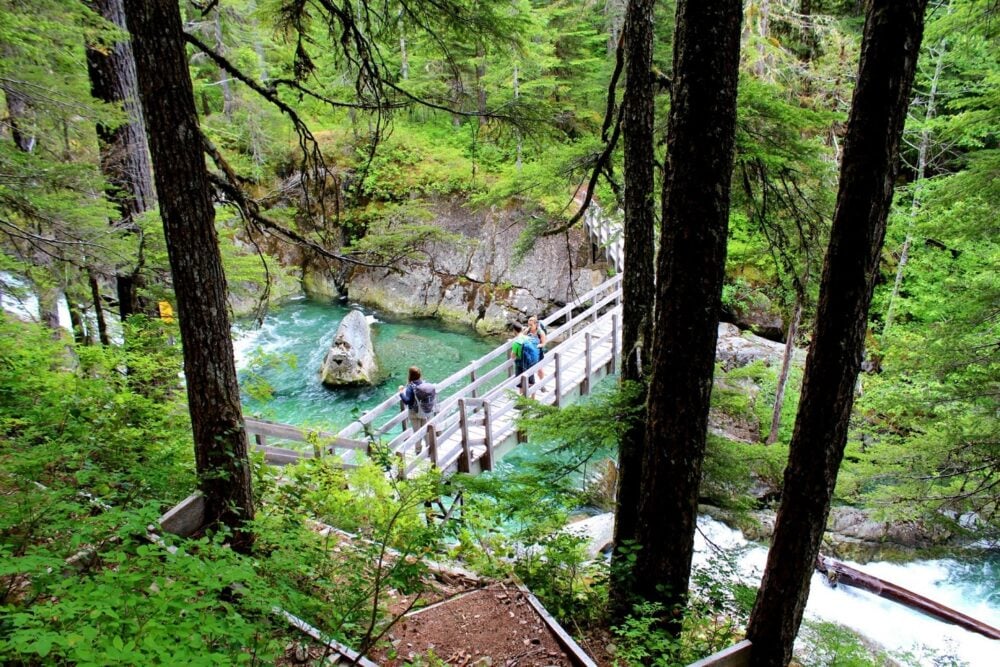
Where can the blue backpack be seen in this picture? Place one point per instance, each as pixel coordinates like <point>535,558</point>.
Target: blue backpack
<point>530,352</point>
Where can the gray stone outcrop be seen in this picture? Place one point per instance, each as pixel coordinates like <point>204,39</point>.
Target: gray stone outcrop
<point>736,348</point>
<point>476,278</point>
<point>851,533</point>
<point>350,360</point>
<point>598,532</point>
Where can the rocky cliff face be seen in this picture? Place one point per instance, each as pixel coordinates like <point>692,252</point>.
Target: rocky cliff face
<point>477,279</point>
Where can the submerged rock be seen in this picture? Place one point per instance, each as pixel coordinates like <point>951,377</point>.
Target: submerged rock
<point>351,358</point>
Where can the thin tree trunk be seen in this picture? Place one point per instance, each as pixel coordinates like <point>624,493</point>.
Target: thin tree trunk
<point>18,114</point>
<point>691,263</point>
<point>925,142</point>
<point>616,12</point>
<point>196,264</point>
<point>480,85</point>
<point>786,366</point>
<point>76,322</point>
<point>764,30</point>
<point>95,294</point>
<point>890,46</point>
<point>520,139</point>
<point>404,60</point>
<point>220,48</point>
<point>123,149</point>
<point>638,289</point>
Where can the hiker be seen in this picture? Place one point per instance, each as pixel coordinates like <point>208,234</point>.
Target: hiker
<point>516,345</point>
<point>525,352</point>
<point>420,398</point>
<point>537,331</point>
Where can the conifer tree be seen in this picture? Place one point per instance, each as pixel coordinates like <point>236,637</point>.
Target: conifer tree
<point>700,140</point>
<point>892,35</point>
<point>188,215</point>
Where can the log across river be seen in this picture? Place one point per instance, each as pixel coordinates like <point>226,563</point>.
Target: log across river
<point>839,573</point>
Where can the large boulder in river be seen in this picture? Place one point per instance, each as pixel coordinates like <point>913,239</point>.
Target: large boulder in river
<point>351,358</point>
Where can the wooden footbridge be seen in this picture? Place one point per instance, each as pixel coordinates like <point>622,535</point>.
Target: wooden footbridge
<point>476,420</point>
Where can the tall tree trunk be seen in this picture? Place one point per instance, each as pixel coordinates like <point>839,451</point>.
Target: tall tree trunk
<point>123,148</point>
<point>638,289</point>
<point>891,43</point>
<point>689,292</point>
<point>925,144</point>
<point>786,366</point>
<point>809,30</point>
<point>196,264</point>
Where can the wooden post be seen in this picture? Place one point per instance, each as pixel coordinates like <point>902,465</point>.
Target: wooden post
<point>487,463</point>
<point>260,439</point>
<point>463,419</point>
<point>432,445</point>
<point>588,366</point>
<point>558,374</point>
<point>402,465</point>
<point>614,342</point>
<point>472,380</point>
<point>524,386</point>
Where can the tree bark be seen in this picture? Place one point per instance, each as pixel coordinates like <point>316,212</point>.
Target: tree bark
<point>688,295</point>
<point>891,43</point>
<point>196,265</point>
<point>123,148</point>
<point>638,289</point>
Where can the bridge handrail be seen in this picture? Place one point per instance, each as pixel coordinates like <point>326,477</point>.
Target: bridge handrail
<point>287,432</point>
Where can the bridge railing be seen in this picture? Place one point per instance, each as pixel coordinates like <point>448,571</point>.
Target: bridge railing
<point>259,431</point>
<point>608,234</point>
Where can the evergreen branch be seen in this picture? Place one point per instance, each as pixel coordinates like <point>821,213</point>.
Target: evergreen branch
<point>603,160</point>
<point>307,141</point>
<point>592,184</point>
<point>308,92</point>
<point>249,209</point>
<point>609,112</point>
<point>269,93</point>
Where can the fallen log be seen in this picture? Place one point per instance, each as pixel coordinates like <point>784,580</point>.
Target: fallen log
<point>838,573</point>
